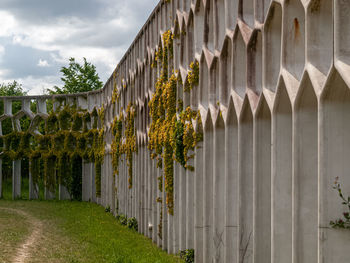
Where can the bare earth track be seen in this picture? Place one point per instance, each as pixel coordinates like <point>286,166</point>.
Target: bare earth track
<point>24,250</point>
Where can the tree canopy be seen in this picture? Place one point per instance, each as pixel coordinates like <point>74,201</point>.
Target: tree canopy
<point>78,78</point>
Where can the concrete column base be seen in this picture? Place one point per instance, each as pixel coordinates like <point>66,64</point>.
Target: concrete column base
<point>63,193</point>
<point>33,189</point>
<point>16,179</point>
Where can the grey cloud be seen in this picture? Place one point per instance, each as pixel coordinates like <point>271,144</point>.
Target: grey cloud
<point>92,21</point>
<point>37,11</point>
<point>23,61</point>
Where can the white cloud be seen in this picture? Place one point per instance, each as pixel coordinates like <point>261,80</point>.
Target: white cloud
<point>101,32</point>
<point>43,63</point>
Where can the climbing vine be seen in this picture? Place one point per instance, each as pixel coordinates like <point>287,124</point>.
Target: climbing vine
<point>60,147</point>
<point>171,133</point>
<point>124,143</point>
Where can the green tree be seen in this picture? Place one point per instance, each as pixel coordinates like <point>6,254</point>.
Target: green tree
<point>78,78</point>
<point>12,89</point>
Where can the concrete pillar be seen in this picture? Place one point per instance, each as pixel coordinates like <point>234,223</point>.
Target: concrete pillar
<point>231,186</point>
<point>208,247</point>
<point>165,219</point>
<point>282,178</point>
<point>93,184</point>
<point>48,195</point>
<point>150,194</point>
<point>33,188</point>
<point>334,145</point>
<point>140,185</point>
<point>245,162</point>
<point>182,208</point>
<point>198,202</point>
<point>219,191</point>
<point>190,205</point>
<point>176,217</point>
<point>145,174</point>
<point>154,201</point>
<point>1,195</point>
<point>63,193</point>
<point>86,182</point>
<point>159,208</point>
<point>16,179</point>
<point>262,184</point>
<point>305,174</point>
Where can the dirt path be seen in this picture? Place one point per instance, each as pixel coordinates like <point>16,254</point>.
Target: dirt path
<point>24,250</point>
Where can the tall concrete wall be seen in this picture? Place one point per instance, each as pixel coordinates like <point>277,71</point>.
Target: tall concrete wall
<point>274,99</point>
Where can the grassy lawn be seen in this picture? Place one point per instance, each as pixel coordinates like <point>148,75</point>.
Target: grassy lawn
<point>74,232</point>
<point>11,234</point>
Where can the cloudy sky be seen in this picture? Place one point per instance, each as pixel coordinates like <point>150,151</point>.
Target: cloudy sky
<point>37,37</point>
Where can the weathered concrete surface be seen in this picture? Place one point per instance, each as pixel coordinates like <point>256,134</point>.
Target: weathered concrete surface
<point>274,100</point>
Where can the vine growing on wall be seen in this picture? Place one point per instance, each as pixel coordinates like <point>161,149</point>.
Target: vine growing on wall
<point>171,133</point>
<point>60,146</point>
<point>124,143</point>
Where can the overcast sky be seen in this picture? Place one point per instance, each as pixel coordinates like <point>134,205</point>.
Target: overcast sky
<point>37,37</point>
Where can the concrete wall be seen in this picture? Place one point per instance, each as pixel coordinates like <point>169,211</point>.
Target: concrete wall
<point>279,73</point>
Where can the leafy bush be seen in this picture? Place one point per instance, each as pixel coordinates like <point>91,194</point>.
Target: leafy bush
<point>122,219</point>
<point>187,255</point>
<point>108,209</point>
<point>132,223</point>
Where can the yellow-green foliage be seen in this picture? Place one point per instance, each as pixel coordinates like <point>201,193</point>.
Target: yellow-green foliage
<point>66,135</point>
<point>192,77</point>
<point>115,93</point>
<point>171,134</point>
<point>117,130</point>
<point>124,143</point>
<point>129,147</point>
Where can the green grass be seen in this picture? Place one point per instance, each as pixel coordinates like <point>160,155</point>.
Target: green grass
<point>78,232</point>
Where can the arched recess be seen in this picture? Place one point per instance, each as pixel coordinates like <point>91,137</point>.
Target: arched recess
<point>239,66</point>
<point>183,46</point>
<point>214,82</point>
<point>262,183</point>
<point>261,9</point>
<point>208,150</point>
<point>254,71</point>
<point>208,25</point>
<point>282,177</point>
<point>225,73</point>
<point>177,45</point>
<point>245,182</point>
<point>305,173</point>
<point>219,190</point>
<point>334,162</point>
<point>272,46</point>
<point>231,184</point>
<point>293,58</point>
<point>341,30</point>
<point>199,26</point>
<point>203,81</point>
<point>246,9</point>
<point>219,23</point>
<point>194,94</point>
<point>231,13</point>
<point>190,38</point>
<point>320,34</point>
<point>198,198</point>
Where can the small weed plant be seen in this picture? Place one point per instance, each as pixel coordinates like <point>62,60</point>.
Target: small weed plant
<point>344,222</point>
